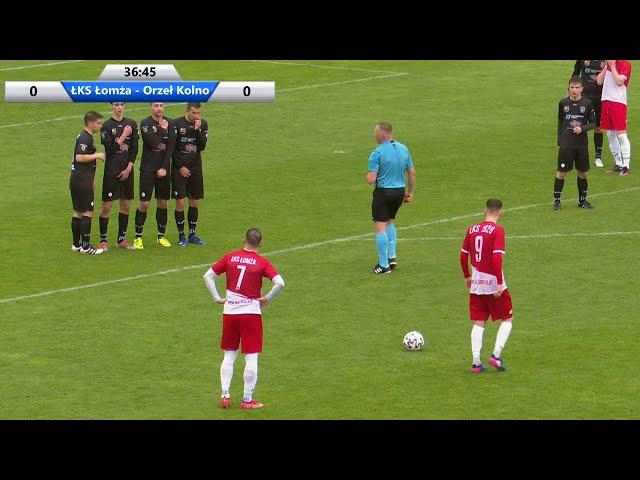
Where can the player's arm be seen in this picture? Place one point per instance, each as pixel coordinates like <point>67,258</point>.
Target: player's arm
<point>464,260</point>
<point>577,69</point>
<point>278,284</point>
<point>374,165</point>
<point>202,135</point>
<point>601,75</point>
<point>618,77</point>
<point>209,280</point>
<point>590,118</point>
<point>560,118</point>
<point>106,139</point>
<point>89,157</point>
<point>496,260</point>
<point>133,148</point>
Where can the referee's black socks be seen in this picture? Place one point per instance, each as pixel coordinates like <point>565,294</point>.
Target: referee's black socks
<point>123,222</point>
<point>104,225</point>
<point>85,231</point>
<point>75,231</point>
<point>597,142</point>
<point>180,221</point>
<point>557,188</point>
<point>161,218</point>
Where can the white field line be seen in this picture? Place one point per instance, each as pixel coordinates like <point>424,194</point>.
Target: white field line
<point>7,69</point>
<point>530,237</point>
<point>284,250</point>
<point>305,87</point>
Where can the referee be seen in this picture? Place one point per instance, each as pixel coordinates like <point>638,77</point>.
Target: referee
<point>388,164</point>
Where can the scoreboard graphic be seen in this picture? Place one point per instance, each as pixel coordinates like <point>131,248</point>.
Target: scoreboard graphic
<point>139,83</point>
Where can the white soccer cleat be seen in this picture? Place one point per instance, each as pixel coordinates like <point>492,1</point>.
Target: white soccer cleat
<point>91,251</point>
<point>599,162</point>
<point>75,249</point>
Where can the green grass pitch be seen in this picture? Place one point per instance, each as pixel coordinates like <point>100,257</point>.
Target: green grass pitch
<point>148,347</point>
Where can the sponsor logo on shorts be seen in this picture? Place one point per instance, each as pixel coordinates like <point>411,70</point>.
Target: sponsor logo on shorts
<point>92,204</point>
<point>561,165</point>
<point>175,192</point>
<point>143,194</point>
<point>109,194</point>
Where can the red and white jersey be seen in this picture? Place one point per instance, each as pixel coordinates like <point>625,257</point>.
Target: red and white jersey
<point>244,270</point>
<point>610,89</point>
<point>481,242</point>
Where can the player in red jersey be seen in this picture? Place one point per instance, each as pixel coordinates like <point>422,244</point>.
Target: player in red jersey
<point>489,296</point>
<point>614,79</point>
<point>242,314</point>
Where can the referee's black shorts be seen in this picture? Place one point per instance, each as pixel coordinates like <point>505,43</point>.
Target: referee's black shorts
<point>385,203</point>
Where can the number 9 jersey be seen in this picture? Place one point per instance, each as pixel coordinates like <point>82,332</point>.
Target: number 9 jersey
<point>245,270</point>
<point>482,242</point>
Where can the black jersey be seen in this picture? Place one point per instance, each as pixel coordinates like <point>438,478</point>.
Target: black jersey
<point>118,156</point>
<point>588,70</point>
<point>574,113</point>
<point>189,143</point>
<point>157,145</point>
<point>84,146</point>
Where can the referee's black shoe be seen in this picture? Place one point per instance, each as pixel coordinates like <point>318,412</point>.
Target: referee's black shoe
<point>585,204</point>
<point>556,205</point>
<point>378,270</point>
<point>393,263</point>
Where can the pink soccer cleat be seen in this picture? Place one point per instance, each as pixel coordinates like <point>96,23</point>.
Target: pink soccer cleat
<point>497,363</point>
<point>478,368</point>
<point>225,402</point>
<point>250,404</point>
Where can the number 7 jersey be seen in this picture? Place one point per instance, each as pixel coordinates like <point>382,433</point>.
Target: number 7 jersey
<point>245,270</point>
<point>482,242</point>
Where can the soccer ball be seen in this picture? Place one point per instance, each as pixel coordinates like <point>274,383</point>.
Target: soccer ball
<point>413,341</point>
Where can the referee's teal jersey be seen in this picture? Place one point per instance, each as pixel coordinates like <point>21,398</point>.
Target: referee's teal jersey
<point>390,160</point>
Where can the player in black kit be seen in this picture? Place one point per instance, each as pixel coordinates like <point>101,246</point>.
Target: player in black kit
<point>575,117</point>
<point>158,140</point>
<point>186,171</point>
<point>83,170</point>
<point>119,135</point>
<point>588,70</point>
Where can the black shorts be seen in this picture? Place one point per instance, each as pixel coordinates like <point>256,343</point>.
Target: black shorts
<point>192,186</point>
<point>113,189</point>
<point>597,108</point>
<point>81,194</point>
<point>150,182</point>
<point>385,203</point>
<point>567,157</point>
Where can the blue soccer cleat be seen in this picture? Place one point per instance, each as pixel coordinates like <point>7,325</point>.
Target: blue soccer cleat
<point>182,240</point>
<point>196,241</point>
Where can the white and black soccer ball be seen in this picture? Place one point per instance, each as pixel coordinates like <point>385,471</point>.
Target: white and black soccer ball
<point>413,341</point>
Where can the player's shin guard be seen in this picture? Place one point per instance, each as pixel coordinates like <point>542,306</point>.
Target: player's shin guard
<point>75,231</point>
<point>161,219</point>
<point>392,237</point>
<point>104,226</point>
<point>382,243</point>
<point>180,221</point>
<point>141,217</point>
<point>250,375</point>
<point>192,216</point>
<point>85,231</point>
<point>625,150</point>
<point>476,343</point>
<point>226,370</point>
<point>598,140</point>
<point>582,189</point>
<point>614,146</point>
<point>558,185</point>
<point>501,338</point>
<point>123,222</point>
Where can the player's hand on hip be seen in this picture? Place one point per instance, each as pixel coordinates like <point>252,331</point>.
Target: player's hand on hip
<point>501,289</point>
<point>163,124</point>
<point>222,301</point>
<point>467,282</point>
<point>408,197</point>
<point>161,173</point>
<point>264,301</point>
<point>185,172</point>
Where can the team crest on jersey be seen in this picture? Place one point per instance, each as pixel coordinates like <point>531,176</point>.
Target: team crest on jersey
<point>113,132</point>
<point>145,129</point>
<point>155,130</point>
<point>587,62</point>
<point>582,109</point>
<point>567,108</point>
<point>183,131</point>
<point>83,147</point>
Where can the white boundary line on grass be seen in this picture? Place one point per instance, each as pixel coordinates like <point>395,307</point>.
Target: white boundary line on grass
<point>283,90</point>
<point>530,237</point>
<point>286,250</point>
<point>7,69</point>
